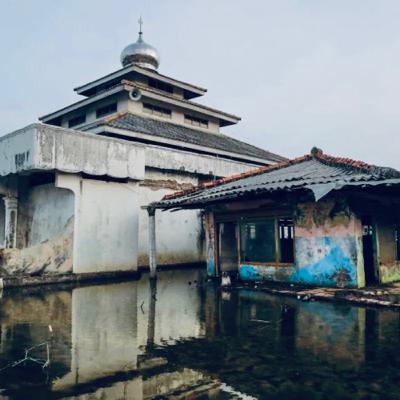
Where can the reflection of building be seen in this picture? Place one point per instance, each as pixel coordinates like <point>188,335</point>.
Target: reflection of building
<point>317,219</point>
<point>101,334</point>
<point>73,187</point>
<point>138,340</point>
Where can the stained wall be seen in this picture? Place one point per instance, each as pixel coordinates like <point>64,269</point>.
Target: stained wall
<point>327,248</point>
<point>44,232</point>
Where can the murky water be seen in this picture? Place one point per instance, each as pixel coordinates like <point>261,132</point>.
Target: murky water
<point>187,340</point>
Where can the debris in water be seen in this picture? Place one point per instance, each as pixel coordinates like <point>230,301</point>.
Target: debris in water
<point>43,363</point>
<point>226,279</point>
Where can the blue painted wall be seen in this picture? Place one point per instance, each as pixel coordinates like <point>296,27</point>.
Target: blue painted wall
<point>323,261</point>
<point>326,261</point>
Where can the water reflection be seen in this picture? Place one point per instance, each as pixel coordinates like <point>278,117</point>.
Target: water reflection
<point>180,338</point>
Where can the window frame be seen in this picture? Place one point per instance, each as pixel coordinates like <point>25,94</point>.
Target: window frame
<point>278,254</point>
<point>156,110</point>
<point>196,121</point>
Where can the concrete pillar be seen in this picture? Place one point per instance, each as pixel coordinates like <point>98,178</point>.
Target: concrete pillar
<point>152,242</point>
<point>11,211</point>
<point>152,313</point>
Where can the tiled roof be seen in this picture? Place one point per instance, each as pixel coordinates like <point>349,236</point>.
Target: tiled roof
<point>183,134</point>
<point>303,172</point>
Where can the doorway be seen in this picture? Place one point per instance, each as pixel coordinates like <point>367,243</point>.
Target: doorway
<point>368,252</point>
<point>228,259</point>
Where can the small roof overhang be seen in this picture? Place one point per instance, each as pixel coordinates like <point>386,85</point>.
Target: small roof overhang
<point>190,91</point>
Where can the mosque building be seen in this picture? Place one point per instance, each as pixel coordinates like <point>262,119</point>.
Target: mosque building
<point>75,185</point>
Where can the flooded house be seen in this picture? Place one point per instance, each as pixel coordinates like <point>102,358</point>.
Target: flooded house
<point>73,185</point>
<point>316,219</point>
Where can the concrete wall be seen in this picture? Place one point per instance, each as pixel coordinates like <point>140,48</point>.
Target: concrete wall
<point>179,237</point>
<point>48,211</point>
<point>388,265</point>
<point>328,245</point>
<point>106,224</point>
<point>328,248</point>
<point>44,232</point>
<point>48,148</point>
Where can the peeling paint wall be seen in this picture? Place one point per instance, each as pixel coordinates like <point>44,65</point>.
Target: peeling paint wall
<point>179,238</point>
<point>106,224</point>
<point>211,244</point>
<point>49,257</point>
<point>44,233</point>
<point>327,246</point>
<point>46,210</point>
<point>388,265</point>
<point>45,147</point>
<point>248,272</point>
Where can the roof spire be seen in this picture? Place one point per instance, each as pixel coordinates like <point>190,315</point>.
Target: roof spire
<point>140,21</point>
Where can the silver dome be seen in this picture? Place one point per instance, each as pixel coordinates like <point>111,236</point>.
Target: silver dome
<point>141,54</point>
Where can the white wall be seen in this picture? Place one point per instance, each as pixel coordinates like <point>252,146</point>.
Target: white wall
<point>106,224</point>
<point>49,148</point>
<point>178,235</point>
<point>48,210</point>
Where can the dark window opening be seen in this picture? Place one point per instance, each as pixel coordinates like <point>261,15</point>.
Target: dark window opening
<point>156,110</point>
<point>257,241</point>
<point>269,240</point>
<point>80,119</point>
<point>227,241</point>
<point>165,87</point>
<point>368,251</point>
<point>195,121</point>
<point>286,240</point>
<point>397,233</point>
<point>109,109</point>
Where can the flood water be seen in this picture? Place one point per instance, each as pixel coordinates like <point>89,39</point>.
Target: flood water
<point>185,339</point>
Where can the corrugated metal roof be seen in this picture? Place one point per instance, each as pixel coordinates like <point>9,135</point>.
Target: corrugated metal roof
<point>307,172</point>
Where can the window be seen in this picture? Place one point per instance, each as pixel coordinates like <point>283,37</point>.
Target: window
<point>267,240</point>
<point>257,241</point>
<point>165,87</point>
<point>286,240</point>
<point>397,232</point>
<point>109,109</point>
<point>189,119</point>
<point>156,110</point>
<point>80,119</point>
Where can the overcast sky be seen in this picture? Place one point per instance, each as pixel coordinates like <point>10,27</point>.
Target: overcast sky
<point>299,73</point>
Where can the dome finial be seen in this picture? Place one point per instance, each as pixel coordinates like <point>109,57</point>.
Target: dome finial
<point>140,21</point>
<point>140,53</point>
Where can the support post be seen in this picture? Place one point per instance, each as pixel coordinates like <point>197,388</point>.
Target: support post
<point>11,211</point>
<point>152,242</point>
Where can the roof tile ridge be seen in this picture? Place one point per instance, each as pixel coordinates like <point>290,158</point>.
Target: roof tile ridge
<point>232,178</point>
<point>114,117</point>
<point>344,162</point>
